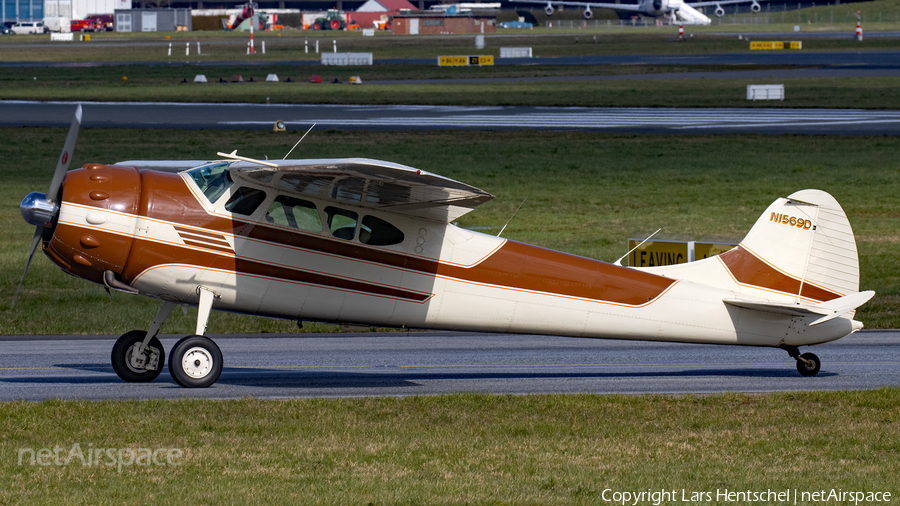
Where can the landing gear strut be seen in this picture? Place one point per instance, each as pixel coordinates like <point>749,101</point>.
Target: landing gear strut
<point>808,364</point>
<point>195,361</point>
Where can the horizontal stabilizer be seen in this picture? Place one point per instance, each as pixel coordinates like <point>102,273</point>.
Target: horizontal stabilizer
<point>827,310</point>
<point>844,305</point>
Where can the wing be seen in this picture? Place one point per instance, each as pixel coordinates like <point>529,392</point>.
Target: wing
<point>372,184</point>
<point>718,3</point>
<point>619,7</point>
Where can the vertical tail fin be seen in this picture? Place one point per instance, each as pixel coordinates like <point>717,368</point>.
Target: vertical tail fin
<point>801,246</point>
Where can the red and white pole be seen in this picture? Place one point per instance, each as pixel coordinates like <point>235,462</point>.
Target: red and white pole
<point>252,19</point>
<point>680,33</point>
<point>858,27</point>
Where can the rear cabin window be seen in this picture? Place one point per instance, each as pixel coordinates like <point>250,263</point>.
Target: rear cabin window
<point>245,200</point>
<point>377,232</point>
<point>294,213</point>
<point>212,179</point>
<point>341,222</point>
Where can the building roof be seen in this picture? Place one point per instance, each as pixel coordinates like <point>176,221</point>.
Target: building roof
<point>386,6</point>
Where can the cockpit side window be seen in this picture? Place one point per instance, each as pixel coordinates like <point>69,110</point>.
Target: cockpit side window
<point>341,222</point>
<point>213,179</point>
<point>245,200</point>
<point>294,213</point>
<point>377,232</point>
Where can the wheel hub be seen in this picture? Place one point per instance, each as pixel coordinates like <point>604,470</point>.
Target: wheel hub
<point>197,363</point>
<point>142,362</point>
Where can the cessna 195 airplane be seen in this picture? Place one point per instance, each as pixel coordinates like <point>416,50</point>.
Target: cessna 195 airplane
<point>678,11</point>
<point>369,242</point>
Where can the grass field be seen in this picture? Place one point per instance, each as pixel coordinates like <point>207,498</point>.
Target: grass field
<point>458,449</point>
<point>856,92</point>
<point>587,194</point>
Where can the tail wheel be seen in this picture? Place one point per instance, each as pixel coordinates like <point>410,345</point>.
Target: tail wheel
<point>808,364</point>
<point>195,362</point>
<point>335,24</point>
<point>135,368</point>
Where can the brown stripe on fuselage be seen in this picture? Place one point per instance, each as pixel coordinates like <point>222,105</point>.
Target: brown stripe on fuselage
<point>177,255</point>
<point>514,265</point>
<point>213,247</point>
<point>748,269</point>
<point>203,233</point>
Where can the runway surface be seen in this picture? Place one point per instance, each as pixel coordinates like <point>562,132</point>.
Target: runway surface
<point>856,59</point>
<point>427,363</point>
<point>425,117</point>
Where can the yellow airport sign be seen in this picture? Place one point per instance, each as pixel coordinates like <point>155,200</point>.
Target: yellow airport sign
<point>774,45</point>
<point>465,61</point>
<point>710,249</point>
<point>657,253</point>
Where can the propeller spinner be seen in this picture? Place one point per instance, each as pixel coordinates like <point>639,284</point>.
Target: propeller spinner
<point>41,209</point>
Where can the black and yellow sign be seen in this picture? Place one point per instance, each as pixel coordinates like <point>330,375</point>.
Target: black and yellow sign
<point>465,61</point>
<point>657,253</point>
<point>710,249</point>
<point>773,45</point>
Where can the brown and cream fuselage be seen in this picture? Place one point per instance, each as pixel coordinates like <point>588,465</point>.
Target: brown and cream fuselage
<point>159,235</point>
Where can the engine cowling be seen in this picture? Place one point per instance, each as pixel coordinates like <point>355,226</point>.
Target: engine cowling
<point>97,220</point>
<point>656,7</point>
<point>755,7</point>
<point>719,11</point>
<point>549,9</point>
<point>587,13</point>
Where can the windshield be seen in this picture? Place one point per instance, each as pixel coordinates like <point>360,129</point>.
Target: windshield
<point>212,178</point>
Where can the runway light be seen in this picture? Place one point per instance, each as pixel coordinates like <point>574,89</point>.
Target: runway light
<point>278,127</point>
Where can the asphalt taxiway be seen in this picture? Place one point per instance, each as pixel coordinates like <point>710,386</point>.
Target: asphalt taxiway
<point>427,363</point>
<point>299,117</point>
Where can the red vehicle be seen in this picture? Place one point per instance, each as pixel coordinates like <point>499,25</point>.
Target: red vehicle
<point>85,25</point>
<point>104,21</point>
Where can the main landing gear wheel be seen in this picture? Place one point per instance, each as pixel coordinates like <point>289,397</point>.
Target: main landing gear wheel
<point>195,362</point>
<point>135,368</point>
<point>808,364</point>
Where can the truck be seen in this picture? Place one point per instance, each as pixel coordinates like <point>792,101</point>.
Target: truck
<point>57,24</point>
<point>85,25</point>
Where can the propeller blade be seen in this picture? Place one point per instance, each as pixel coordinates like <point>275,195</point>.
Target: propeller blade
<point>65,157</point>
<point>38,232</point>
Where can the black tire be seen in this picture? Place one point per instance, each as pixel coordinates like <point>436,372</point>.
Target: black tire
<point>121,354</point>
<point>811,366</point>
<point>195,362</point>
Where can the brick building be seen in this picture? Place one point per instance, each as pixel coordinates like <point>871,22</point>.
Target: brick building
<point>431,24</point>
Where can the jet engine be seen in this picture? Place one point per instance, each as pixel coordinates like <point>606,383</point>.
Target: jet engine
<point>548,9</point>
<point>587,13</point>
<point>755,7</point>
<point>656,7</point>
<point>719,11</point>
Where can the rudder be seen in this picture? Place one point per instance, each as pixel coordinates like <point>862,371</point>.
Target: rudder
<point>802,245</point>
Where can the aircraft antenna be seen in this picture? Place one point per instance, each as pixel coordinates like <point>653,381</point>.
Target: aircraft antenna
<point>619,261</point>
<point>234,156</point>
<point>298,142</point>
<point>513,216</point>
